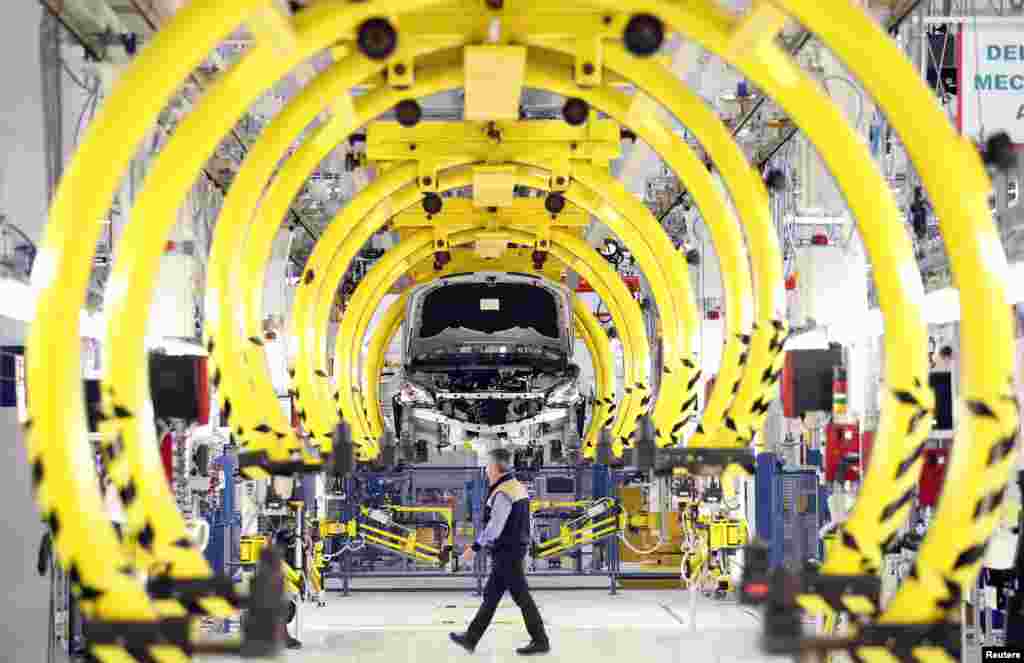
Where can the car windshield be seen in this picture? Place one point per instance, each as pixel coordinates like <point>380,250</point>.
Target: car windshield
<point>489,309</point>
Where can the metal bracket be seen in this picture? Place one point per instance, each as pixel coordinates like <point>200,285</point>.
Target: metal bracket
<point>589,68</point>
<point>427,179</point>
<point>561,176</point>
<point>401,73</point>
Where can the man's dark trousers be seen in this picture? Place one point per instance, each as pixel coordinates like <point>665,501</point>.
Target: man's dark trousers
<point>508,573</point>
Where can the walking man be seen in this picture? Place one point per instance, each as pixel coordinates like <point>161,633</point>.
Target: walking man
<point>506,536</point>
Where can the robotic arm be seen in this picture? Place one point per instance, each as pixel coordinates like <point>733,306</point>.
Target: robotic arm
<point>600,519</point>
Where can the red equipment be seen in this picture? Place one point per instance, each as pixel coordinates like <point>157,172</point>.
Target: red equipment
<point>932,475</point>
<point>845,447</point>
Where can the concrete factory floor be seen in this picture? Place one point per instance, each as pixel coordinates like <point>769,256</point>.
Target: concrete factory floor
<point>585,625</point>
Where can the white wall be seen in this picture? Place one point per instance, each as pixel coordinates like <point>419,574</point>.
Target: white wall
<point>24,624</point>
<point>22,165</point>
<point>23,621</point>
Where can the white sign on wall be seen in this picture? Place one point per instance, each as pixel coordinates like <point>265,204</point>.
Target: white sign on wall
<point>991,57</point>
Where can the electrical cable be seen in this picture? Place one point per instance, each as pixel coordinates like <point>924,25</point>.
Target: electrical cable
<point>234,133</point>
<point>801,42</point>
<point>90,102</point>
<point>855,88</point>
<point>792,132</point>
<point>625,541</point>
<point>75,79</point>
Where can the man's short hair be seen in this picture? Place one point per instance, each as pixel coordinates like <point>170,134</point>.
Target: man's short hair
<point>502,458</point>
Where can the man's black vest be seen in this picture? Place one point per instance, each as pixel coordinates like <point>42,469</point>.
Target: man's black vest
<point>515,537</point>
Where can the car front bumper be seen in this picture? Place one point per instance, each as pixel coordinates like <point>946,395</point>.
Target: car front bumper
<point>515,429</point>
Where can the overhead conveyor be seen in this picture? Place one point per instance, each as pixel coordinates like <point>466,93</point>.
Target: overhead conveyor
<point>958,188</point>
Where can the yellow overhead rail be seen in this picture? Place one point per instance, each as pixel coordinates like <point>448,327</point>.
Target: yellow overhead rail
<point>958,187</point>
<point>548,72</point>
<point>603,361</point>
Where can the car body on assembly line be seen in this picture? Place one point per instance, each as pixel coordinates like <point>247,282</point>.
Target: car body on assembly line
<point>487,358</point>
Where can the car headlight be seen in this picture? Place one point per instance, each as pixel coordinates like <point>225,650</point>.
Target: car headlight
<point>412,393</point>
<point>563,394</point>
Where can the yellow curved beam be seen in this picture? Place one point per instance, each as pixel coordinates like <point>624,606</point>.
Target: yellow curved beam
<point>262,227</point>
<point>66,483</point>
<point>601,358</point>
<point>153,518</point>
<point>257,229</point>
<point>223,326</point>
<point>902,428</point>
<point>680,384</point>
<point>958,187</point>
<point>380,341</point>
<point>991,399</point>
<point>747,411</point>
<point>547,72</point>
<point>740,292</point>
<point>689,104</point>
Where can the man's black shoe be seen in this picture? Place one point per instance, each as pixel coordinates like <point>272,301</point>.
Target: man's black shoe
<point>534,648</point>
<point>292,643</point>
<point>462,640</point>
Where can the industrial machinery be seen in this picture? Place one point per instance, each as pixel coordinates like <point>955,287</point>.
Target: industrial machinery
<point>712,546</point>
<point>586,523</point>
<point>379,528</point>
